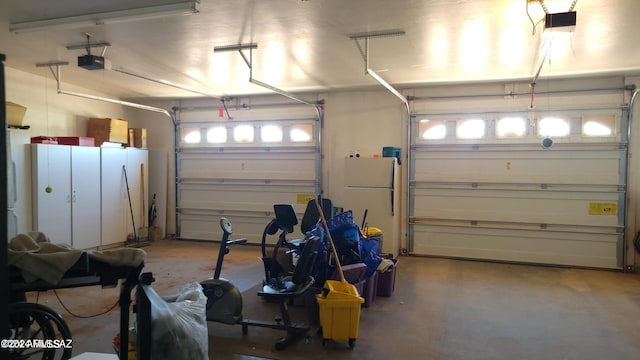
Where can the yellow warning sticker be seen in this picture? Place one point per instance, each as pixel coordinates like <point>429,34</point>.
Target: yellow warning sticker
<point>597,208</point>
<point>304,198</point>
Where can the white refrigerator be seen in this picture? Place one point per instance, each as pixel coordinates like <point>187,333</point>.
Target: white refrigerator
<point>372,185</point>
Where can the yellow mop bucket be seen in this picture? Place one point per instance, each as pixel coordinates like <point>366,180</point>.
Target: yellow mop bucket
<point>339,303</point>
<point>339,311</point>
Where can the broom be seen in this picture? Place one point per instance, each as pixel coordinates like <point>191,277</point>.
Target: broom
<point>143,231</point>
<point>333,246</point>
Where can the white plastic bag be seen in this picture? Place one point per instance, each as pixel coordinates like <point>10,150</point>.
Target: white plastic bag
<point>178,324</point>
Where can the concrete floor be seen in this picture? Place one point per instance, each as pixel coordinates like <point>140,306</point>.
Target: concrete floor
<point>441,309</point>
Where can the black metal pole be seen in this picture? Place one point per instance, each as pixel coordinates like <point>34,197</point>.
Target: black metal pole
<point>133,221</point>
<point>4,277</point>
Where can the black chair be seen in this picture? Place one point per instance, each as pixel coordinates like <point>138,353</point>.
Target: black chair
<point>312,216</point>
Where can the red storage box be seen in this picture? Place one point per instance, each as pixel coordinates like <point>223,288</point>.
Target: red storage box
<point>44,140</point>
<point>77,140</point>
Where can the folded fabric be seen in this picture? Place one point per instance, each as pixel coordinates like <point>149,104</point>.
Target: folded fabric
<point>119,257</point>
<point>386,265</point>
<point>278,286</point>
<point>39,259</point>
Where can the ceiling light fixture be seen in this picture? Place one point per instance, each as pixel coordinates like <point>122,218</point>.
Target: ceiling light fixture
<point>109,17</point>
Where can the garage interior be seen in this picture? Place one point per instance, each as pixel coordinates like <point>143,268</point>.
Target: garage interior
<point>512,210</point>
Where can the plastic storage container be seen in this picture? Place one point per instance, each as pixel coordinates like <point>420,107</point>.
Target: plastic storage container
<point>387,280</point>
<point>339,312</point>
<point>370,289</point>
<point>392,151</point>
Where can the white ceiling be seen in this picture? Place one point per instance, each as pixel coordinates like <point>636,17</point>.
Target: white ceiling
<point>305,45</point>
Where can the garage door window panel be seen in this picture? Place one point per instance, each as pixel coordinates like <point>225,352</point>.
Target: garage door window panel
<point>301,133</point>
<point>271,134</point>
<point>553,126</point>
<point>191,135</point>
<point>511,127</point>
<point>599,125</point>
<point>471,129</point>
<point>432,129</point>
<point>217,135</point>
<point>243,134</point>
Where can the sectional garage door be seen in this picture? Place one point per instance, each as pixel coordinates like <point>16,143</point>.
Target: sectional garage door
<point>239,161</point>
<point>493,177</point>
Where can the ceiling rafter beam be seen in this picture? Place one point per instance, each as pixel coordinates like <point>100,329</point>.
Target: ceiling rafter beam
<point>365,55</point>
<point>58,76</point>
<point>235,47</point>
<point>249,61</point>
<point>167,83</point>
<point>51,64</point>
<point>377,34</point>
<point>88,45</point>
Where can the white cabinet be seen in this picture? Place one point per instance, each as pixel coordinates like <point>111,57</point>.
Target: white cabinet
<point>85,197</point>
<point>117,219</point>
<point>66,189</point>
<point>114,196</point>
<point>80,194</point>
<point>19,177</point>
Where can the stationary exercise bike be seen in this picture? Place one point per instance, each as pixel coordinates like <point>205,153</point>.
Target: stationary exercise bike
<point>224,300</point>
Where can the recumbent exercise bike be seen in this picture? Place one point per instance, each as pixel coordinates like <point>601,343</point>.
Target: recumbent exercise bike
<point>224,300</point>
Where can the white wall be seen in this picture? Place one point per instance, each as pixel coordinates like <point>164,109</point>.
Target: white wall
<point>160,142</point>
<point>47,114</point>
<point>363,121</point>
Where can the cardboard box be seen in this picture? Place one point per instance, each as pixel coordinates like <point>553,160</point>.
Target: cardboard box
<point>15,113</point>
<point>138,137</point>
<point>155,233</point>
<point>108,130</point>
<point>77,140</point>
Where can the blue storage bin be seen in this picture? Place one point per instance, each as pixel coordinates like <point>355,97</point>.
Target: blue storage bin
<point>392,151</point>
